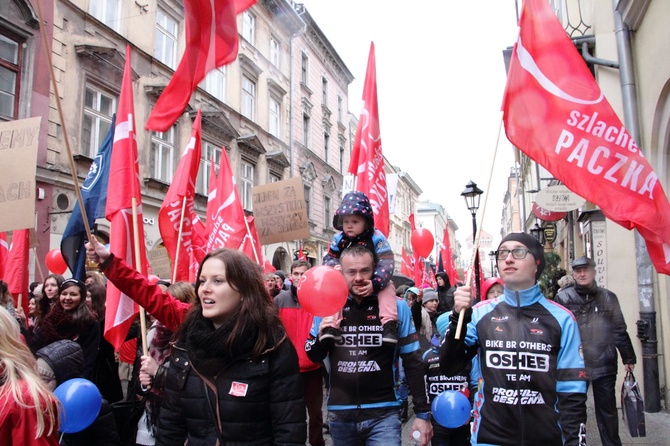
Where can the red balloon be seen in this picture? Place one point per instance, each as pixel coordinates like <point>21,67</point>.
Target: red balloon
<point>322,291</point>
<point>422,242</point>
<point>55,261</point>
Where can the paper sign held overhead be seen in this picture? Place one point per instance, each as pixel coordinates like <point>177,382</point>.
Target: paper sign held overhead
<point>280,211</point>
<point>559,199</point>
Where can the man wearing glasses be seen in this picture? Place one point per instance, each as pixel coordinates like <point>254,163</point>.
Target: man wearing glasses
<point>531,376</point>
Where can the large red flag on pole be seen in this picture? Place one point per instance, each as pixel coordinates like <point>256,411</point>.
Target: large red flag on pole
<point>407,264</point>
<point>226,222</point>
<point>124,211</point>
<point>446,258</point>
<point>16,271</point>
<point>251,246</point>
<point>211,41</point>
<point>367,160</point>
<point>175,216</point>
<point>555,112</point>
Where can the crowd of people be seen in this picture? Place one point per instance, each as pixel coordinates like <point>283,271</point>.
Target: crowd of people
<point>235,359</point>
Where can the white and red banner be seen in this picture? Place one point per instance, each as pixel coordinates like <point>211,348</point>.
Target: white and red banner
<point>175,215</point>
<point>126,238</point>
<point>211,41</point>
<point>555,112</point>
<point>367,160</point>
<point>225,216</point>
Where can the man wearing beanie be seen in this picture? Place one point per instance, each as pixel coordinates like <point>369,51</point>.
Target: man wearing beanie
<point>531,376</point>
<point>603,329</point>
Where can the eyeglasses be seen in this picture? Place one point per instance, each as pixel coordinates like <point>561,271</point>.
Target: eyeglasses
<point>517,253</point>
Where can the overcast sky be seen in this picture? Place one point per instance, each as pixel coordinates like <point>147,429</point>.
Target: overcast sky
<point>440,80</point>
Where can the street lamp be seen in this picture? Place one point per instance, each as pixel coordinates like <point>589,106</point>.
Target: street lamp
<point>538,232</point>
<point>472,194</point>
<point>492,258</point>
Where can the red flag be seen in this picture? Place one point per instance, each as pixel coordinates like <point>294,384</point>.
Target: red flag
<point>199,243</point>
<point>225,215</point>
<point>301,253</point>
<point>251,246</point>
<point>418,270</point>
<point>16,272</point>
<point>555,112</point>
<point>447,259</point>
<point>170,216</point>
<point>211,42</point>
<point>4,253</point>
<point>124,179</point>
<point>367,160</point>
<point>406,264</point>
<point>412,223</point>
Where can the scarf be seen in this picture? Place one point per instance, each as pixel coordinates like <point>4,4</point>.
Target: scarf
<point>57,325</point>
<point>159,347</point>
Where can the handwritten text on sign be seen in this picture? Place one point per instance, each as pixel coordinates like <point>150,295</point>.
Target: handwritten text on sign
<point>280,211</point>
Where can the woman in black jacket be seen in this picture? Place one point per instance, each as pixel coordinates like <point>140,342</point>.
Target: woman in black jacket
<point>233,374</point>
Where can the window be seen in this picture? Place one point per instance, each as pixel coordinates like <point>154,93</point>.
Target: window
<point>274,177</point>
<point>209,152</point>
<point>275,117</point>
<point>10,76</point>
<point>167,29</point>
<point>324,91</point>
<point>248,97</point>
<point>341,155</point>
<point>326,212</point>
<point>248,26</point>
<point>107,11</point>
<point>274,51</point>
<point>246,183</point>
<point>162,155</point>
<point>305,129</point>
<point>304,68</point>
<point>98,110</point>
<point>308,201</point>
<point>340,109</point>
<point>326,141</point>
<point>214,83</point>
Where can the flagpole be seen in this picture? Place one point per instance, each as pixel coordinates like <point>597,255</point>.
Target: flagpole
<point>39,266</point>
<point>181,228</point>
<point>73,168</point>
<point>139,267</point>
<point>475,246</point>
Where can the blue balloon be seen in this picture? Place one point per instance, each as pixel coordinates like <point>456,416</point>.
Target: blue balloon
<point>80,402</point>
<point>451,409</point>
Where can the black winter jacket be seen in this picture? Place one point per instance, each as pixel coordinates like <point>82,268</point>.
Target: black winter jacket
<point>259,403</point>
<point>601,326</point>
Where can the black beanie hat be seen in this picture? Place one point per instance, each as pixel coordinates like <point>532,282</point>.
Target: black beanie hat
<point>536,249</point>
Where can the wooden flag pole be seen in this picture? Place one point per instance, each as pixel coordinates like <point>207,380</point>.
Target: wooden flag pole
<point>475,245</point>
<point>181,228</point>
<point>73,167</point>
<point>139,267</point>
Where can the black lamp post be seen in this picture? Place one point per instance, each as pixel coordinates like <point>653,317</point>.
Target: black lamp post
<point>492,258</point>
<point>472,194</point>
<point>538,232</point>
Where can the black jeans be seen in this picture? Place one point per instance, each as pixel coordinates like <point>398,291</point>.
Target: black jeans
<point>607,416</point>
<point>313,387</point>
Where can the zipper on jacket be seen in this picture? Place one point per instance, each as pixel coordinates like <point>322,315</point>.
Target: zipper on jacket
<point>519,325</point>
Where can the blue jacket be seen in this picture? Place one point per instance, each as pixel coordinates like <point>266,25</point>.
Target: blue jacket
<point>532,376</point>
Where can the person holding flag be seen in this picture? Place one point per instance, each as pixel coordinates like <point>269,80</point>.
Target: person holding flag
<point>236,375</point>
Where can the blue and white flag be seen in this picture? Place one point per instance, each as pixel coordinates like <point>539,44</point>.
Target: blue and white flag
<point>94,196</point>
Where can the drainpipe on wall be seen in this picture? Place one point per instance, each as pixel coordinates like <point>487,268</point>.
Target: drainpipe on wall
<point>646,326</point>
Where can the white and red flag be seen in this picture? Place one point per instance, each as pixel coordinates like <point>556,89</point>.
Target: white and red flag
<point>367,160</point>
<point>555,112</point>
<point>175,215</point>
<point>212,41</point>
<point>225,216</point>
<point>446,260</point>
<point>16,270</point>
<point>126,238</point>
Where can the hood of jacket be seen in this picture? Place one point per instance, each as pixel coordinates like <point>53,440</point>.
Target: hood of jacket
<point>355,203</point>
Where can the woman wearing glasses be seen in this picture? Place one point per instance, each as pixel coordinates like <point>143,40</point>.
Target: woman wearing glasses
<point>532,383</point>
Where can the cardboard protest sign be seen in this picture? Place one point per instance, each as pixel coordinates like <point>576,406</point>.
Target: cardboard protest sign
<point>18,161</point>
<point>280,211</point>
